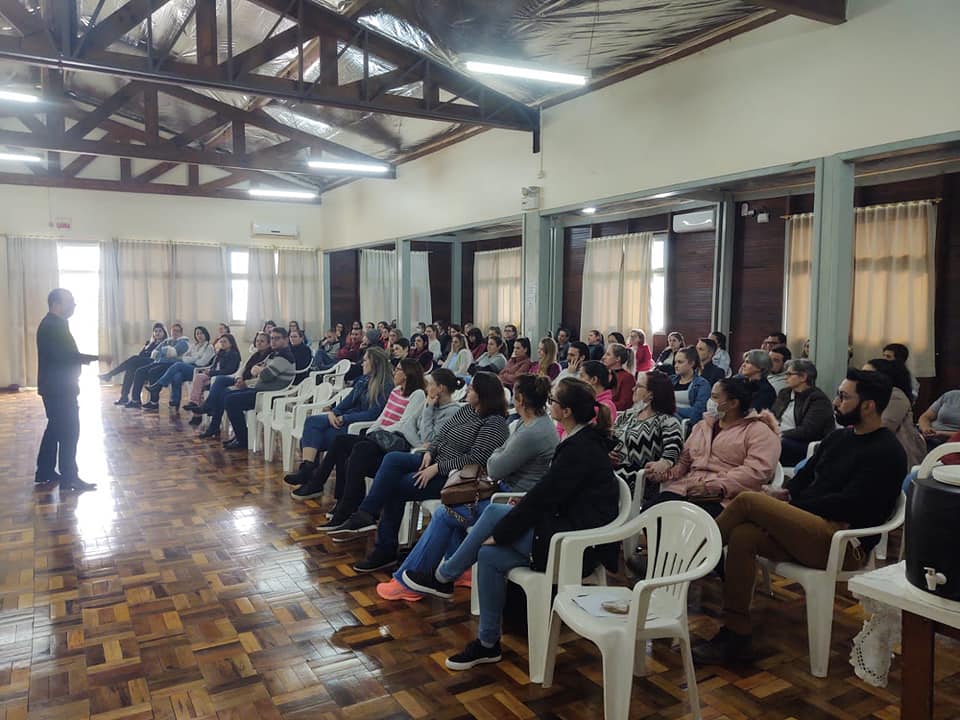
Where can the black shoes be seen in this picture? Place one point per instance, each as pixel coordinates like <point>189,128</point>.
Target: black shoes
<point>726,647</point>
<point>149,406</point>
<point>302,475</point>
<point>175,406</point>
<point>305,492</point>
<point>196,419</point>
<point>76,485</point>
<point>208,433</point>
<point>191,406</point>
<point>134,404</point>
<point>475,654</point>
<point>121,401</point>
<point>378,560</point>
<point>45,479</point>
<point>234,445</point>
<point>427,583</point>
<point>357,523</point>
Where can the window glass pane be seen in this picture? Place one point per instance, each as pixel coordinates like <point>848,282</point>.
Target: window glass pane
<point>238,300</point>
<point>657,256</point>
<point>658,301</point>
<point>85,322</point>
<point>239,263</point>
<point>79,258</point>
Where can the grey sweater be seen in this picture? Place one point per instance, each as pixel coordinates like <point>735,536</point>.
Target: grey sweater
<point>278,371</point>
<point>432,419</point>
<point>526,456</point>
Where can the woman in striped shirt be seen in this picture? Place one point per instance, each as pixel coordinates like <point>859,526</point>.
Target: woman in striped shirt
<point>468,438</point>
<point>359,456</point>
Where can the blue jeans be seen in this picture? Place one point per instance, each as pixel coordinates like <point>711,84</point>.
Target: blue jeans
<point>319,433</point>
<point>213,405</point>
<point>911,476</point>
<point>176,375</point>
<point>442,537</point>
<point>493,564</point>
<point>392,487</point>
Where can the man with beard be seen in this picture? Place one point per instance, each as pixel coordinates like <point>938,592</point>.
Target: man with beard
<point>852,481</point>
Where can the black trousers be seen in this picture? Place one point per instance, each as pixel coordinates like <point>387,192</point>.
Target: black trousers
<point>355,459</point>
<point>129,368</point>
<point>147,374</point>
<point>60,438</point>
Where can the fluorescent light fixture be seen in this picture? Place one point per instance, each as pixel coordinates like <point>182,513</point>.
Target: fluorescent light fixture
<point>348,167</point>
<point>284,194</point>
<point>661,196</point>
<point>18,96</point>
<point>589,210</point>
<point>526,73</point>
<point>18,157</point>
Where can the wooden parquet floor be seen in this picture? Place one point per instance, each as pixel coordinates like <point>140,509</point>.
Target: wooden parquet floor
<point>190,585</point>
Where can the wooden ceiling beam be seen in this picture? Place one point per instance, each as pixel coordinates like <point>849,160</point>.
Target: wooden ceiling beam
<point>206,22</point>
<point>120,22</point>
<point>104,110</point>
<point>833,12</point>
<point>161,168</point>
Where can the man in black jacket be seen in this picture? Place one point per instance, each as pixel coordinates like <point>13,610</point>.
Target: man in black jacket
<point>852,481</point>
<point>58,373</point>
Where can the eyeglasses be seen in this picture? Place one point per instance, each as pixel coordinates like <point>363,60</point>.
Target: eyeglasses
<point>793,372</point>
<point>844,397</point>
<point>552,399</point>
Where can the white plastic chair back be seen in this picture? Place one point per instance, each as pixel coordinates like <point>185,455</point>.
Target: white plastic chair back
<point>337,375</point>
<point>459,395</point>
<point>778,477</point>
<point>932,458</point>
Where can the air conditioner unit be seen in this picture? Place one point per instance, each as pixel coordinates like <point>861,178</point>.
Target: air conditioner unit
<point>281,230</point>
<point>696,221</point>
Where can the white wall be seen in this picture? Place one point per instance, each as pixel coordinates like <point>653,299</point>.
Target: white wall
<point>95,215</point>
<point>790,91</point>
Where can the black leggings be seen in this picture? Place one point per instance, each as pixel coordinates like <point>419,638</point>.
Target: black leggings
<point>129,368</point>
<point>355,459</point>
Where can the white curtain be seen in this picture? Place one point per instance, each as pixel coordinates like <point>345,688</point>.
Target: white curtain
<point>421,306</point>
<point>617,280</point>
<point>32,272</point>
<point>378,285</point>
<point>298,284</point>
<point>497,281</point>
<point>262,299</point>
<point>135,292</point>
<point>796,307</point>
<point>199,287</point>
<point>893,282</point>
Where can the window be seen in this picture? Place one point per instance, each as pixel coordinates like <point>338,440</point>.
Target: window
<point>239,284</point>
<point>658,284</point>
<point>80,274</point>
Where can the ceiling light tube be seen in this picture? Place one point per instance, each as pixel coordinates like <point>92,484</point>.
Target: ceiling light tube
<point>525,73</point>
<point>348,167</point>
<point>589,210</point>
<point>283,194</point>
<point>18,157</point>
<point>18,96</point>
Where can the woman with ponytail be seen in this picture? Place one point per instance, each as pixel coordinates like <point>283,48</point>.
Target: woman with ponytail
<point>578,492</point>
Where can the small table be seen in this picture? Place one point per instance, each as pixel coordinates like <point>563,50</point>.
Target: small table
<point>922,619</point>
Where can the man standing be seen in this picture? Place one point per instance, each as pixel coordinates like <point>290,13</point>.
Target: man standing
<point>58,373</point>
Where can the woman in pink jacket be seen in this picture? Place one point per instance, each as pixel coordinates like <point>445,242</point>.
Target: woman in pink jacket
<point>732,450</point>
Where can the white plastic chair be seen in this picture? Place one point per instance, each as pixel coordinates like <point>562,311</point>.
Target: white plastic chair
<point>820,586</point>
<point>636,504</point>
<point>538,586</point>
<point>336,375</point>
<point>685,545</point>
<point>789,472</point>
<point>264,402</point>
<point>284,417</point>
<point>294,433</point>
<point>274,419</point>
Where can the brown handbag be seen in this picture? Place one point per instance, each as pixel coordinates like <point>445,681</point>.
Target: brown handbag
<point>467,486</point>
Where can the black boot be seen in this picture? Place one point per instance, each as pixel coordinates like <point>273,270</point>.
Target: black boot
<point>302,475</point>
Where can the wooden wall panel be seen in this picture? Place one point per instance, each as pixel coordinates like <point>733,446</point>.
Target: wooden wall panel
<point>689,285</point>
<point>440,278</point>
<point>345,286</point>
<point>469,250</point>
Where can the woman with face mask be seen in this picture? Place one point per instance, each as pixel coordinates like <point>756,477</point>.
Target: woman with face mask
<point>732,450</point>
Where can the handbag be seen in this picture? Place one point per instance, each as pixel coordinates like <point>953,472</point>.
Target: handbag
<point>388,441</point>
<point>467,486</point>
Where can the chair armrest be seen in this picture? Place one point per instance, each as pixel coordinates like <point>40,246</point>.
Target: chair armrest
<point>355,428</point>
<point>505,497</point>
<point>838,544</point>
<point>575,543</point>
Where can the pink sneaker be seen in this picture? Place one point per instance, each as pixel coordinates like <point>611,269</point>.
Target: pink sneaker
<point>465,580</point>
<point>393,590</point>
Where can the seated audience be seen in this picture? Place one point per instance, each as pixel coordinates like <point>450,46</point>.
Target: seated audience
<point>517,466</point>
<point>476,342</point>
<point>615,357</point>
<point>350,350</point>
<point>901,353</point>
<point>301,354</point>
<point>706,351</point>
<point>468,438</point>
<point>163,356</point>
<point>733,450</point>
<point>267,327</point>
<point>199,355</point>
<point>366,401</point>
<point>578,492</point>
<point>665,361</point>
<point>616,337</point>
<point>510,334</point>
<point>439,406</point>
<point>394,430</point>
<point>563,344</point>
<point>518,364</point>
<point>755,367</point>
<point>852,481</point>
<point>595,374</point>
<point>222,329</point>
<point>777,376</point>
<point>897,417</point>
<point>595,345</point>
<point>433,342</point>
<point>213,405</point>
<point>648,435</point>
<point>577,354</point>
<point>225,362</point>
<point>326,355</point>
<point>772,340</point>
<point>419,351</point>
<point>721,358</point>
<point>294,325</point>
<point>341,332</point>
<point>400,350</point>
<point>546,364</point>
<point>459,359</point>
<point>133,363</point>
<point>805,350</point>
<point>493,360</point>
<point>804,412</point>
<point>690,390</point>
<point>941,420</point>
<point>642,355</point>
<point>275,373</point>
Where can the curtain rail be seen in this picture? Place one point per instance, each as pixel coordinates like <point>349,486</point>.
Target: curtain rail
<point>195,243</point>
<point>934,201</point>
